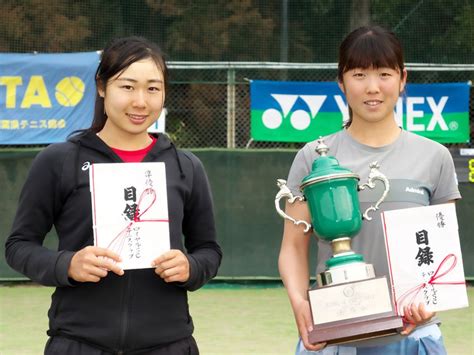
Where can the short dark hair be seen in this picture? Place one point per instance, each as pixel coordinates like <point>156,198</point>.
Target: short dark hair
<point>366,47</point>
<point>370,46</point>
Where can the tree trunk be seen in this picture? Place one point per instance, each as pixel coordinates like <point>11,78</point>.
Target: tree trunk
<point>360,14</point>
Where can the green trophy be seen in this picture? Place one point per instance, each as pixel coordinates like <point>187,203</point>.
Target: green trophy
<point>349,302</point>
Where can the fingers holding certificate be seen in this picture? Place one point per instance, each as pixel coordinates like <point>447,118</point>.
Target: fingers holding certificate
<point>172,266</point>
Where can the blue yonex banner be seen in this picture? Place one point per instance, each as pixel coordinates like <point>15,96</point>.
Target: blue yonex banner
<point>303,111</point>
<point>45,97</point>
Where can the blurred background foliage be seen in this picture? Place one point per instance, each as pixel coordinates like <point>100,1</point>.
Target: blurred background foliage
<point>263,31</point>
<point>432,31</point>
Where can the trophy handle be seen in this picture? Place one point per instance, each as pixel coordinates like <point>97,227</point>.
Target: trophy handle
<point>286,193</point>
<point>375,174</point>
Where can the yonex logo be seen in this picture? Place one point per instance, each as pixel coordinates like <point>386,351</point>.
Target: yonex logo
<point>299,119</point>
<point>302,111</point>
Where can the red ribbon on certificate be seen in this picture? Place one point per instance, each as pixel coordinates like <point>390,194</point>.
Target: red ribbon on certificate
<point>433,280</point>
<point>117,243</point>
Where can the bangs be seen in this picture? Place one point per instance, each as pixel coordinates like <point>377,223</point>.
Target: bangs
<point>123,53</point>
<point>371,49</point>
<point>122,61</point>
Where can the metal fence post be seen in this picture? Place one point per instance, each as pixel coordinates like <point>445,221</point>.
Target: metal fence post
<point>231,108</point>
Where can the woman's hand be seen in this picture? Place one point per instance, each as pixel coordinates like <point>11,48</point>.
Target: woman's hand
<point>91,263</point>
<point>172,266</point>
<point>305,325</point>
<point>414,316</point>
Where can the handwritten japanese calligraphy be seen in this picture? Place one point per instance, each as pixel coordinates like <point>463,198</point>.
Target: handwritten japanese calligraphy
<point>425,255</point>
<point>131,211</point>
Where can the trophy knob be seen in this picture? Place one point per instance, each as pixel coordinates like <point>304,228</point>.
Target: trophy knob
<point>322,149</point>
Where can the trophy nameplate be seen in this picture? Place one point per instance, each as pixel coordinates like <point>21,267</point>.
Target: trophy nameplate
<point>352,311</point>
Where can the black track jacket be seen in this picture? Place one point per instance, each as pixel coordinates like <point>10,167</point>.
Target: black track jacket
<point>123,314</point>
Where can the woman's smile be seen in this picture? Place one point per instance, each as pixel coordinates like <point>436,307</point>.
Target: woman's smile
<point>373,103</point>
<point>136,118</point>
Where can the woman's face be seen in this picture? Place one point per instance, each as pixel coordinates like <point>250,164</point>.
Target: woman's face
<point>372,93</point>
<point>133,99</point>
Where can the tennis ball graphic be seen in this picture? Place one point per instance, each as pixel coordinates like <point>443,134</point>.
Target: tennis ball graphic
<point>69,91</point>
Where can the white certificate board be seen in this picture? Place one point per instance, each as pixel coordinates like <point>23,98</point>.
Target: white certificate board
<point>130,211</point>
<point>424,256</point>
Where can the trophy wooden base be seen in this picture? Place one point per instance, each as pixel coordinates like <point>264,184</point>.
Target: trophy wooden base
<point>352,311</point>
<point>368,327</point>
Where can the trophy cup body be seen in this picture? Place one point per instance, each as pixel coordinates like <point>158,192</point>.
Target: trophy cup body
<point>349,302</point>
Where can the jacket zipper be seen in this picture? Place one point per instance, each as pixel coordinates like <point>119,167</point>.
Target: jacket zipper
<point>125,311</point>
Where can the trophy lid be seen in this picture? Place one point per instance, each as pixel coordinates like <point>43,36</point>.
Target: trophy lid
<point>326,168</point>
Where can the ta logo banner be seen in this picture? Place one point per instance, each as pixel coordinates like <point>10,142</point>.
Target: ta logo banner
<point>45,97</point>
<point>303,111</point>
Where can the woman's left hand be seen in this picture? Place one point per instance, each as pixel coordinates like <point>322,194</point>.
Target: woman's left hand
<point>172,266</point>
<point>414,316</point>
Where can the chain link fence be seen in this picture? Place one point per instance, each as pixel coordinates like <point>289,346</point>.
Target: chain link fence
<point>208,104</point>
<point>208,101</point>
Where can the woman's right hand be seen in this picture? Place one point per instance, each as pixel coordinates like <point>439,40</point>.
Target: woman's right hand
<point>305,325</point>
<point>91,263</point>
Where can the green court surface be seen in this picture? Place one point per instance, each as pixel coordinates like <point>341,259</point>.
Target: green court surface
<point>229,319</point>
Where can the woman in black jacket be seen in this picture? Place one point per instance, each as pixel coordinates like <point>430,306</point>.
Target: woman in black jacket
<point>98,308</point>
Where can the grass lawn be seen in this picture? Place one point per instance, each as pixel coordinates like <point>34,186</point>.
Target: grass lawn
<point>234,320</point>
